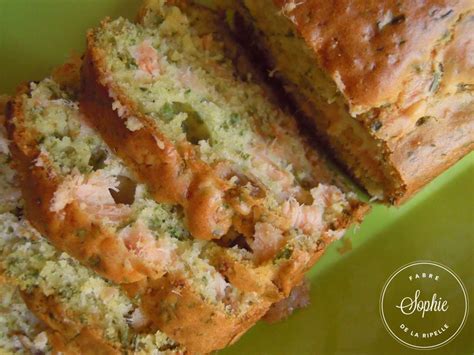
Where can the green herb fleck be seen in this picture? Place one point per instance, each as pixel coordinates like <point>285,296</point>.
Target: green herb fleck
<point>80,233</point>
<point>94,261</point>
<point>376,125</point>
<point>436,79</point>
<point>423,120</point>
<point>167,111</point>
<point>285,253</point>
<point>465,87</point>
<point>234,119</point>
<point>446,14</point>
<point>244,156</point>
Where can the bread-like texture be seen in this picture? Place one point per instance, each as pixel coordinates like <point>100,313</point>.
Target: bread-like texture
<point>174,167</point>
<point>73,230</point>
<point>369,49</point>
<point>177,173</point>
<point>230,320</point>
<point>144,147</point>
<point>173,306</point>
<point>20,331</point>
<point>81,312</point>
<point>70,335</point>
<point>254,282</point>
<point>205,286</point>
<point>391,84</point>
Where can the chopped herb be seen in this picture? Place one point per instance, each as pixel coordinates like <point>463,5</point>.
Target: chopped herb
<point>285,253</point>
<point>423,120</point>
<point>376,125</point>
<point>434,86</point>
<point>433,12</point>
<point>447,35</point>
<point>418,68</point>
<point>176,233</point>
<point>397,20</point>
<point>94,261</point>
<point>234,118</point>
<point>244,156</point>
<point>446,14</point>
<point>465,87</point>
<point>230,18</point>
<point>167,111</point>
<point>80,233</point>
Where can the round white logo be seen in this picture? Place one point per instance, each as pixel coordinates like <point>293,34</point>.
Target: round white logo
<point>424,305</point>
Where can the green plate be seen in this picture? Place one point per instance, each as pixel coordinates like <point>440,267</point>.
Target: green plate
<point>437,224</point>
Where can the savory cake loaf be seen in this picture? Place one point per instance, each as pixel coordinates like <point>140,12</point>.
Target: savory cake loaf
<point>87,195</point>
<point>284,203</point>
<point>387,84</point>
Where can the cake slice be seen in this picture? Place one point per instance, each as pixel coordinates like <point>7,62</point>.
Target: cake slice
<point>202,134</point>
<point>388,85</point>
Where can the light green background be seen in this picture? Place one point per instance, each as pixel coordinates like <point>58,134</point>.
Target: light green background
<point>438,224</point>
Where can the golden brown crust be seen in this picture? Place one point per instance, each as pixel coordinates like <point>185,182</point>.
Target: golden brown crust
<point>66,333</point>
<point>414,107</point>
<point>433,147</point>
<point>299,298</point>
<point>247,277</point>
<point>176,308</point>
<point>372,46</point>
<point>73,230</point>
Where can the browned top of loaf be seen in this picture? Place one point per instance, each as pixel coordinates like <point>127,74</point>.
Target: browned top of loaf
<point>369,47</point>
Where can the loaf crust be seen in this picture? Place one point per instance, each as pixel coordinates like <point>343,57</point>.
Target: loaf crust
<point>402,81</point>
<point>173,306</point>
<point>347,36</point>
